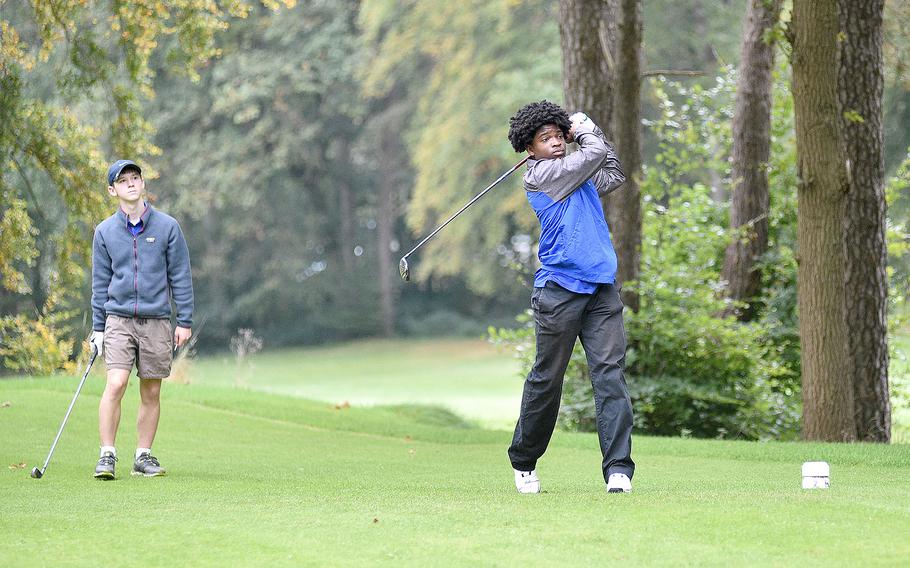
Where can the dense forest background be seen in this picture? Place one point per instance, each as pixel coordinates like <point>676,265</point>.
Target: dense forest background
<point>304,146</point>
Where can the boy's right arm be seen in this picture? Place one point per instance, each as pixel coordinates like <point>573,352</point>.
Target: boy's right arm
<point>101,280</point>
<point>560,177</point>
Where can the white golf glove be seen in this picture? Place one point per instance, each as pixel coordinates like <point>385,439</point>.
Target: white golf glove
<point>97,341</point>
<point>581,118</point>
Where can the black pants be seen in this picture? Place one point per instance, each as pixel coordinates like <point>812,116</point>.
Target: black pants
<point>561,316</point>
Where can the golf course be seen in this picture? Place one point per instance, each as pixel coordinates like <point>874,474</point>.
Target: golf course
<point>270,478</point>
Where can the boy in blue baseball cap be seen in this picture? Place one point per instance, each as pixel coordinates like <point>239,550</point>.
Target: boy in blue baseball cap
<point>139,262</point>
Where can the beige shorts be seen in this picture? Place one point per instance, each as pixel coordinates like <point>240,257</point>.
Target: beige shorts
<point>146,343</point>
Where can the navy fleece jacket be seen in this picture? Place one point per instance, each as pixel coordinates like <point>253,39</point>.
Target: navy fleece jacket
<point>136,276</point>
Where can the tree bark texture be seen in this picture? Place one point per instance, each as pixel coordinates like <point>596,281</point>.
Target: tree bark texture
<point>587,38</point>
<point>623,206</point>
<point>751,150</point>
<point>826,385</point>
<point>595,55</point>
<point>861,84</point>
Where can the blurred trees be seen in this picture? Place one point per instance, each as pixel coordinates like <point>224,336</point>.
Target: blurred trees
<point>467,67</point>
<point>262,168</point>
<point>74,76</point>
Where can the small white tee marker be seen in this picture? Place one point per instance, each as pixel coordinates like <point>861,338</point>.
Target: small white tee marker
<point>816,475</point>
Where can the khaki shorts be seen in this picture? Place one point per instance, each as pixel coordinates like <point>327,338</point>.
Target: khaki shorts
<point>147,343</point>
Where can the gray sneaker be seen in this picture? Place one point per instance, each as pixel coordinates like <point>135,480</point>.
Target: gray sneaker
<point>105,467</point>
<point>147,464</point>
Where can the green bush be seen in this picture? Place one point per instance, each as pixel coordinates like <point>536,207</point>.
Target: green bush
<point>691,372</point>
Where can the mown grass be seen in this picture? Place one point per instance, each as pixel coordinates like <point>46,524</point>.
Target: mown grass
<point>265,479</point>
<point>470,377</point>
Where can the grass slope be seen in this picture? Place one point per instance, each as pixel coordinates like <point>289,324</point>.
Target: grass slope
<point>258,478</point>
<point>471,377</point>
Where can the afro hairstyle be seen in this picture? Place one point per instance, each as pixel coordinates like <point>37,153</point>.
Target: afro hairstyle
<point>530,118</point>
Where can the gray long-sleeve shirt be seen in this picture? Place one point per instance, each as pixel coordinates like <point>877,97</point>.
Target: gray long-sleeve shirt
<point>595,159</point>
<point>136,276</point>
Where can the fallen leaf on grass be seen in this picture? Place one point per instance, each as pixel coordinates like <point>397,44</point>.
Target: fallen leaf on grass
<point>375,520</point>
<point>18,465</point>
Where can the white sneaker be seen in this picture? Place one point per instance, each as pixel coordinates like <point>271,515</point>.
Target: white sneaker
<point>526,481</point>
<point>619,483</point>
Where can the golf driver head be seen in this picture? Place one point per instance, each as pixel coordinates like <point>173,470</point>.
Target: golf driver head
<point>36,473</point>
<point>403,269</point>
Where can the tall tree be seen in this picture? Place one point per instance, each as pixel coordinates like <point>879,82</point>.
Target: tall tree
<point>751,150</point>
<point>623,207</point>
<point>860,88</point>
<point>827,390</point>
<point>383,133</point>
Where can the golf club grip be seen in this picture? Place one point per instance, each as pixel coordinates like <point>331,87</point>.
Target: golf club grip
<point>466,205</point>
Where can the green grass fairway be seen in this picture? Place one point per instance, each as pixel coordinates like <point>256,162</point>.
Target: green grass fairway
<point>266,479</point>
<point>469,377</point>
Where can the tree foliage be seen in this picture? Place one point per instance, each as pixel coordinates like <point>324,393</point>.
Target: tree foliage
<point>258,150</point>
<point>74,77</point>
<point>478,63</point>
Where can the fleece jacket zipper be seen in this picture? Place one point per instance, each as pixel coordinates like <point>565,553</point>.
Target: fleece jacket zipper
<point>136,273</point>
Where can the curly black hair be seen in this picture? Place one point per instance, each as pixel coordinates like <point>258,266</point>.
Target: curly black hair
<point>530,118</point>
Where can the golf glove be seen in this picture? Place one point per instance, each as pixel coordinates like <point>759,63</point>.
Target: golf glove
<point>582,118</point>
<point>97,341</point>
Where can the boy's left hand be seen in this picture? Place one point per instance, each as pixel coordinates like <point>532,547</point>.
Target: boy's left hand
<point>181,336</point>
<point>578,119</point>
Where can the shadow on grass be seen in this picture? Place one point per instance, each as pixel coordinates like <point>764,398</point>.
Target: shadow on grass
<point>430,415</point>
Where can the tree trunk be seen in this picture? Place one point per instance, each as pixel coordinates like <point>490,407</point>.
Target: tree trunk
<point>586,29</point>
<point>860,86</point>
<point>588,34</point>
<point>751,150</point>
<point>386,215</point>
<point>707,58</point>
<point>827,388</point>
<point>623,206</point>
<point>346,214</point>
<point>393,172</point>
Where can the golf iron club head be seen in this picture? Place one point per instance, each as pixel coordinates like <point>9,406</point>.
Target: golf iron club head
<point>403,269</point>
<point>36,473</point>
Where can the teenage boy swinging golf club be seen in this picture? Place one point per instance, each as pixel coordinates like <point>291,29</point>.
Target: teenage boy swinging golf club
<point>139,262</point>
<point>574,293</point>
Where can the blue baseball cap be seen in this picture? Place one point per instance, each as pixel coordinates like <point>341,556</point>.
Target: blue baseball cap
<point>113,172</point>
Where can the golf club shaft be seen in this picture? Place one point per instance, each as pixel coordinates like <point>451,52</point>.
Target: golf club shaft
<point>468,204</point>
<point>70,409</point>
